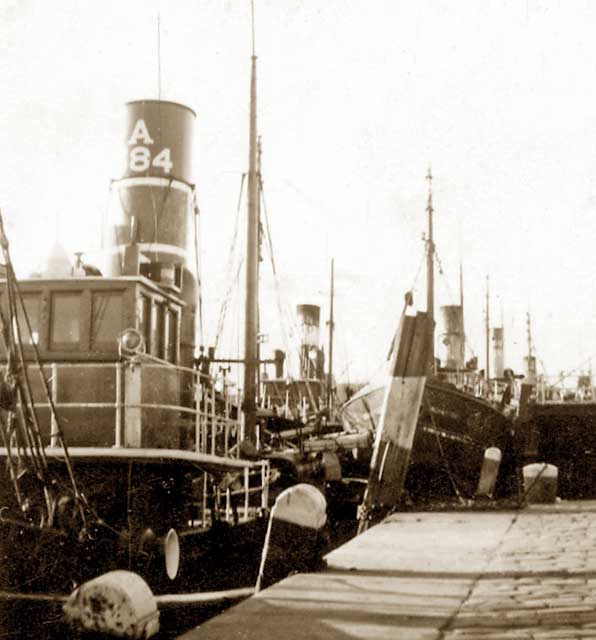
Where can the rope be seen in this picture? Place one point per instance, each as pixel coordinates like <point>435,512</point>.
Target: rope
<point>452,480</point>
<point>285,336</point>
<point>196,219</point>
<point>30,423</point>
<point>227,298</point>
<point>27,408</point>
<point>230,267</point>
<point>418,271</point>
<point>49,398</point>
<point>442,272</point>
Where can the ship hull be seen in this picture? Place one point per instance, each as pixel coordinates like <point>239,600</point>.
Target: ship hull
<point>453,432</point>
<point>563,434</point>
<point>136,501</point>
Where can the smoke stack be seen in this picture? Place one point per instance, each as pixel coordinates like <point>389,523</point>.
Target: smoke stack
<point>454,337</point>
<point>498,352</point>
<point>530,369</point>
<point>309,318</point>
<point>279,358</point>
<point>156,196</point>
<point>155,191</point>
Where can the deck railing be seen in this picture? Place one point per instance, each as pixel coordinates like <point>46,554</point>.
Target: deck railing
<point>240,496</point>
<point>135,403</point>
<point>564,389</point>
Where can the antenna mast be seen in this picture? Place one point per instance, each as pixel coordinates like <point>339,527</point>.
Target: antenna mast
<point>529,331</point>
<point>158,56</point>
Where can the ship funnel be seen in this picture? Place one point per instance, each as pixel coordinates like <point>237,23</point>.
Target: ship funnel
<point>498,351</point>
<point>311,356</point>
<point>530,369</point>
<point>155,191</point>
<point>454,336</point>
<point>154,205</point>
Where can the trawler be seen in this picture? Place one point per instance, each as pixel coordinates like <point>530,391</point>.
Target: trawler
<point>120,450</point>
<point>458,421</point>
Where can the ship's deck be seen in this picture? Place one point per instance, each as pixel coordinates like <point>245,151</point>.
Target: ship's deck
<point>506,574</point>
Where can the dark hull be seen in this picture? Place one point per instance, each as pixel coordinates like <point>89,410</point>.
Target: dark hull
<point>453,432</point>
<point>563,434</point>
<point>159,497</point>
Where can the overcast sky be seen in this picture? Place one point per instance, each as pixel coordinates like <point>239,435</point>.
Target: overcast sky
<point>356,99</point>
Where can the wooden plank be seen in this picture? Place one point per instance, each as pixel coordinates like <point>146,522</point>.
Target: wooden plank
<point>418,357</point>
<point>401,352</point>
<point>399,417</point>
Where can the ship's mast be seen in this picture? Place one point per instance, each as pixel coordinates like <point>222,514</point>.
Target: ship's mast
<point>487,329</point>
<point>461,286</point>
<point>259,252</point>
<point>331,327</point>
<point>252,258</point>
<point>461,304</point>
<point>530,344</point>
<point>430,276</point>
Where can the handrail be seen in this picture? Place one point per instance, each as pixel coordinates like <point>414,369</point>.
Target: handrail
<point>224,496</point>
<point>215,432</point>
<point>204,411</point>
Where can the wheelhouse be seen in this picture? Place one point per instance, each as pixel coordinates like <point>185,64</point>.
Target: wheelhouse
<point>81,319</point>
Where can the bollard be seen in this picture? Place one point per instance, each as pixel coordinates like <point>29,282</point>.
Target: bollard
<point>540,482</point>
<point>117,603</point>
<point>489,472</point>
<point>331,466</point>
<point>302,506</point>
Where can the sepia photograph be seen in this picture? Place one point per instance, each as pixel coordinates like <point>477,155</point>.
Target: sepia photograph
<point>297,325</point>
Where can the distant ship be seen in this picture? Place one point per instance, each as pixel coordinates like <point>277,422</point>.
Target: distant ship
<point>457,423</point>
<point>557,425</point>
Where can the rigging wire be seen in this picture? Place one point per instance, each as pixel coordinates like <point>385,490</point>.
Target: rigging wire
<point>276,283</point>
<point>196,220</point>
<point>418,271</point>
<point>445,279</point>
<point>30,422</point>
<point>231,278</point>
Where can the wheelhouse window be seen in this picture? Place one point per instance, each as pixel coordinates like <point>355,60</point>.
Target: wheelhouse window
<point>106,318</point>
<point>159,340</point>
<point>32,304</point>
<point>65,329</point>
<point>172,344</point>
<point>144,307</point>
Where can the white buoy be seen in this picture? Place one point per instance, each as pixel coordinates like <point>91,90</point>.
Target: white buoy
<point>118,603</point>
<point>489,472</point>
<point>540,482</point>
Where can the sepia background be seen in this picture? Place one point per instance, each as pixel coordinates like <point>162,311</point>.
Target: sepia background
<point>355,100</point>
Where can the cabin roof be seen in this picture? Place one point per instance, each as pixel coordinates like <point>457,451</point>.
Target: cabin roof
<point>87,281</point>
